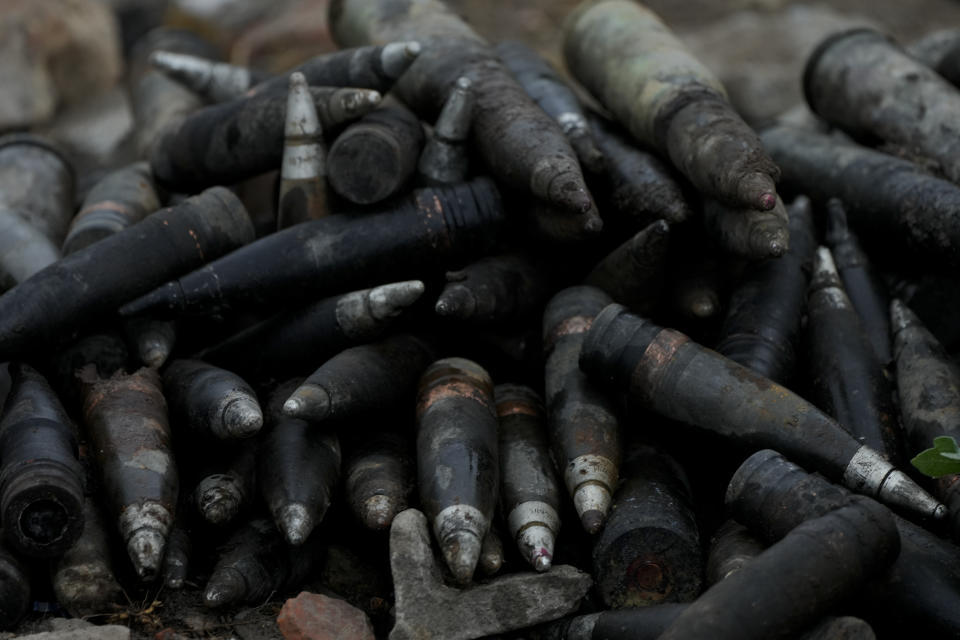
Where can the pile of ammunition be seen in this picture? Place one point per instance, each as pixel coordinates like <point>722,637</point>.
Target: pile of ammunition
<point>435,313</point>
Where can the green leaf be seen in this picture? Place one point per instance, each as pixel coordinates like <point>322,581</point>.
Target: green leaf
<point>943,459</point>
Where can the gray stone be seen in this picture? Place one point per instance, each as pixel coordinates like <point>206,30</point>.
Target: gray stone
<point>76,629</point>
<point>428,608</point>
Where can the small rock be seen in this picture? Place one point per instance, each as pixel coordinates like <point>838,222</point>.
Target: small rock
<point>311,616</point>
<point>76,629</point>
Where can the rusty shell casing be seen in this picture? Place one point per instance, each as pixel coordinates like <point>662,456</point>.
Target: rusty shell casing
<point>37,182</point>
<point>891,197</point>
<point>664,370</point>
<point>643,623</point>
<point>83,578</point>
<point>939,50</point>
<point>583,428</point>
<point>633,274</point>
<point>299,466</point>
<point>731,548</point>
<point>24,250</point>
<point>120,199</point>
<point>762,325</point>
<point>552,94</point>
<point>379,477</point>
<point>495,290</point>
<point>370,378</point>
<point>126,424</point>
<point>634,65</point>
<point>211,401</point>
<point>863,82</point>
<point>847,380</point>
<point>636,187</point>
<point>294,341</point>
<point>341,252</point>
<point>375,157</point>
<point>256,562</point>
<point>649,549</point>
<point>529,489</point>
<point>303,168</point>
<point>921,591</point>
<point>41,480</point>
<point>228,486</point>
<point>445,158</point>
<point>458,472</point>
<point>748,233</point>
<point>797,580</point>
<point>57,302</point>
<point>14,589</point>
<point>863,284</point>
<point>524,147</point>
<point>232,141</point>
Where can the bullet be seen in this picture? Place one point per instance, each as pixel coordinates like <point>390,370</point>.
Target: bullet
<point>121,198</point>
<point>491,553</point>
<point>495,290</point>
<point>939,50</point>
<point>41,481</point>
<point>126,425</point>
<point>665,371</point>
<point>633,274</point>
<point>529,490</point>
<point>524,147</point>
<point>303,170</point>
<point>299,465</point>
<point>369,378</point>
<point>863,284</point>
<point>83,579</point>
<point>444,159</point>
<point>636,186</point>
<point>643,623</point>
<point>762,324</point>
<point>542,83</point>
<point>863,82</point>
<point>375,157</point>
<point>893,198</point>
<point>633,64</point>
<point>37,182</point>
<point>211,401</point>
<point>379,477</point>
<point>255,563</point>
<point>457,459</point>
<point>583,429</point>
<point>649,549</point>
<point>918,595</point>
<point>431,227</point>
<point>59,301</point>
<point>211,80</point>
<point>152,340</point>
<point>847,381</point>
<point>782,590</point>
<point>225,482</point>
<point>176,560</point>
<point>294,341</point>
<point>14,589</point>
<point>748,233</point>
<point>731,548</point>
<point>232,141</point>
<point>24,250</point>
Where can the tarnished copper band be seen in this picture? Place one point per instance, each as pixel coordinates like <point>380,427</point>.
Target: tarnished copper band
<point>655,361</point>
<point>516,407</point>
<point>569,326</point>
<point>109,205</point>
<point>453,389</point>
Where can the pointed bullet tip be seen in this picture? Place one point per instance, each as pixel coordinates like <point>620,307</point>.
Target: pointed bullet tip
<point>542,562</point>
<point>145,548</point>
<point>292,407</point>
<point>223,588</point>
<point>940,512</point>
<point>295,522</point>
<point>456,301</point>
<point>379,511</point>
<point>413,49</point>
<point>704,307</point>
<point>464,83</point>
<point>901,316</point>
<point>242,417</point>
<point>461,550</point>
<point>389,300</point>
<point>297,79</point>
<point>592,520</point>
<point>154,355</point>
<point>767,201</point>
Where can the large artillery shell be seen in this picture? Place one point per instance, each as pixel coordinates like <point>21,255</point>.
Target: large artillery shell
<point>797,580</point>
<point>633,274</point>
<point>888,196</point>
<point>209,400</point>
<point>763,318</point>
<point>748,233</point>
<point>375,157</point>
<point>522,145</point>
<point>731,548</point>
<point>126,424</point>
<point>631,62</point>
<point>863,82</point>
<point>14,589</point>
<point>644,623</point>
<point>303,170</point>
<point>649,549</point>
<point>294,341</point>
<point>430,228</point>
<point>379,477</point>
<point>529,490</point>
<point>41,481</point>
<point>24,250</point>
<point>228,486</point>
<point>370,378</point>
<point>122,198</point>
<point>36,181</point>
<point>232,141</point>
<point>664,370</point>
<point>444,159</point>
<point>584,432</point>
<point>458,468</point>
<point>62,299</point>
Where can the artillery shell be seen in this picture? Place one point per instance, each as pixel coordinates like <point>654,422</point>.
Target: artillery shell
<point>379,477</point>
<point>303,170</point>
<point>24,250</point>
<point>749,233</point>
<point>37,181</point>
<point>211,401</point>
<point>444,159</point>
